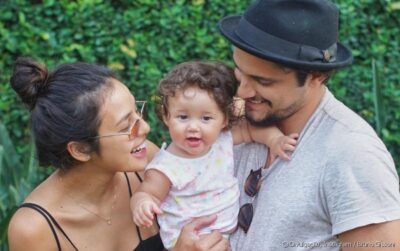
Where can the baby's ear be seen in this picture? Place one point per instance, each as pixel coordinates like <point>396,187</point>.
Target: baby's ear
<point>165,119</point>
<point>225,125</point>
<point>79,151</point>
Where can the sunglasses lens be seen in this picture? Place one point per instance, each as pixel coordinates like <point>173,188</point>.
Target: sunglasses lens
<point>245,216</point>
<point>251,187</point>
<point>253,183</point>
<point>135,129</point>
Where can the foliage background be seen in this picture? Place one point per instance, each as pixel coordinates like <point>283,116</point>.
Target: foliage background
<point>142,39</point>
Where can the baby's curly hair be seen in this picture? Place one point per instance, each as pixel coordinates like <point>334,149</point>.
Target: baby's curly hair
<point>215,77</point>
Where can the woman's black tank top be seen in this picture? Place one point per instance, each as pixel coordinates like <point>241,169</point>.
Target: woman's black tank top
<point>153,243</point>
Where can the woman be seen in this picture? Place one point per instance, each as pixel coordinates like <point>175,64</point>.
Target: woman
<point>88,125</point>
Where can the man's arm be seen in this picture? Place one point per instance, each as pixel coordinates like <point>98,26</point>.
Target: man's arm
<point>382,236</point>
<point>361,189</point>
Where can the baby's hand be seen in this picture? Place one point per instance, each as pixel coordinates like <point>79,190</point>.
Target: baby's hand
<point>143,212</point>
<point>283,144</point>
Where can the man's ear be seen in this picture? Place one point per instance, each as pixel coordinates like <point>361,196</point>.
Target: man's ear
<point>317,78</point>
<point>79,151</point>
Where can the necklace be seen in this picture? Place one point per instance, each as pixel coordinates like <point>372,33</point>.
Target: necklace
<point>106,219</point>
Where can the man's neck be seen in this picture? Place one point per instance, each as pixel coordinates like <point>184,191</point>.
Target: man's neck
<point>296,122</point>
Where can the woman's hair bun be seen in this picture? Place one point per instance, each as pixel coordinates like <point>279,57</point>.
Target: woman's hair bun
<point>29,79</point>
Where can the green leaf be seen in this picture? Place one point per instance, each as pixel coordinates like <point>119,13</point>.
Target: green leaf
<point>395,6</point>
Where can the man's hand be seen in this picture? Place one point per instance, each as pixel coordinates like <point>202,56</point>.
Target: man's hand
<point>190,240</point>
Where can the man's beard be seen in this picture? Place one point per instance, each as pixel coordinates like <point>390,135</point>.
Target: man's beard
<point>271,119</point>
<point>268,120</point>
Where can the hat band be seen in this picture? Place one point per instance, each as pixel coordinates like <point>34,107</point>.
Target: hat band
<point>266,42</point>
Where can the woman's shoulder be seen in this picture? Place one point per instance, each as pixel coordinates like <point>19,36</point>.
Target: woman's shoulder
<point>29,230</point>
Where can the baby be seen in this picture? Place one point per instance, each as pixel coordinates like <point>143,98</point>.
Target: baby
<point>193,176</point>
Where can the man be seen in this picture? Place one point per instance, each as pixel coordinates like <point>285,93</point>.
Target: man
<point>340,189</point>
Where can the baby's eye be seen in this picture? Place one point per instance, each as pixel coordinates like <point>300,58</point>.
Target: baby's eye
<point>207,118</point>
<point>182,117</point>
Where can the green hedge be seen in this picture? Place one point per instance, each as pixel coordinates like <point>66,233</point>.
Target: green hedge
<point>142,39</point>
<point>371,28</point>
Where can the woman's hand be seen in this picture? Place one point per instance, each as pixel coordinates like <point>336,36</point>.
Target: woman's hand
<point>190,240</point>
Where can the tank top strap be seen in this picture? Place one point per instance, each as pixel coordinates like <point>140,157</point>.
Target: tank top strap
<point>130,195</point>
<point>139,178</point>
<point>129,184</point>
<point>50,221</point>
<point>139,234</point>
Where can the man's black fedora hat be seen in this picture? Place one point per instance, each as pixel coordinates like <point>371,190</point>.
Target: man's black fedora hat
<point>301,34</point>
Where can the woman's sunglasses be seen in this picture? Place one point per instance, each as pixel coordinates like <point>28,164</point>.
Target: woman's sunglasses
<point>133,132</point>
